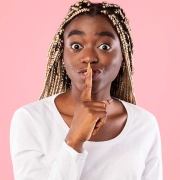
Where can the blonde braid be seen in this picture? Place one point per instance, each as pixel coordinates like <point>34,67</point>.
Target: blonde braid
<point>57,81</point>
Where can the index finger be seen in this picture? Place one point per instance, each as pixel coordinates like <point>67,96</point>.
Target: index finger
<point>86,94</point>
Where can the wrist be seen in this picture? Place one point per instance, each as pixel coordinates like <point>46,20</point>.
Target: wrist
<point>77,146</point>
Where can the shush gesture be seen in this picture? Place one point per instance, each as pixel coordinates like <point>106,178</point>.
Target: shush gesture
<point>89,116</point>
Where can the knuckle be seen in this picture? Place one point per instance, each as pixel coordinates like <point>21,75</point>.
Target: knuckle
<point>82,104</point>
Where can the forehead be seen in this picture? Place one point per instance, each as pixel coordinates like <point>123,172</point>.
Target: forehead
<point>90,24</point>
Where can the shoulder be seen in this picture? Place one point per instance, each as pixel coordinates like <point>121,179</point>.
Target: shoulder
<point>143,125</point>
<point>34,110</point>
<point>140,115</point>
<point>38,105</point>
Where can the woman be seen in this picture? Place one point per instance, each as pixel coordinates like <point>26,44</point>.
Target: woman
<point>86,125</point>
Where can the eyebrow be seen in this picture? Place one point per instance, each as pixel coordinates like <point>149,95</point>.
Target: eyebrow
<point>106,33</point>
<point>81,33</point>
<point>76,32</point>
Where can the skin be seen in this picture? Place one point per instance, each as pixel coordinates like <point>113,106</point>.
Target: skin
<point>82,107</point>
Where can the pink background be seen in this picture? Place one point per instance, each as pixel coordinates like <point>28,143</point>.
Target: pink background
<point>26,30</point>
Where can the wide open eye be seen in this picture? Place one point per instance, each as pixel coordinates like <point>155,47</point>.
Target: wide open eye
<point>105,47</point>
<point>76,46</point>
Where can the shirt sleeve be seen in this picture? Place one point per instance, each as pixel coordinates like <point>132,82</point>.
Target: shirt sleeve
<point>153,164</point>
<point>29,160</point>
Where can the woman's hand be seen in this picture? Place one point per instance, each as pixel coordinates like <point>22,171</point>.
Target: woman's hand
<point>89,116</point>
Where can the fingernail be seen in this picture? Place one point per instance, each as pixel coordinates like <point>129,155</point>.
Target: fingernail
<point>88,68</point>
<point>107,102</point>
<point>86,74</point>
<point>110,101</point>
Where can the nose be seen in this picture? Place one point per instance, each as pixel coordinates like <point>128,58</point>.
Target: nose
<point>89,56</point>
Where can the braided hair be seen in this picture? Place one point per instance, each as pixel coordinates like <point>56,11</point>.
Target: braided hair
<point>57,80</point>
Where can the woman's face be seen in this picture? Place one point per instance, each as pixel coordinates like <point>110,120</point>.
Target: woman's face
<point>91,40</point>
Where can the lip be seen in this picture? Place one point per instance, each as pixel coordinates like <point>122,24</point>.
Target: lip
<point>95,73</point>
<point>83,70</point>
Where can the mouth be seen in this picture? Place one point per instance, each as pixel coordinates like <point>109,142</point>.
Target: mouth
<point>95,73</point>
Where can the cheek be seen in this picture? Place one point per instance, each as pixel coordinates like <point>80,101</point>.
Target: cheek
<point>67,57</point>
<point>114,70</point>
<point>114,65</point>
<point>66,53</point>
<point>68,64</point>
<point>114,60</point>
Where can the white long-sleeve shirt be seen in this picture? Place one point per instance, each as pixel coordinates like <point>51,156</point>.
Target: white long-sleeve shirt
<point>39,152</point>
